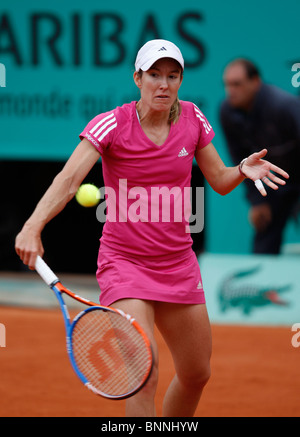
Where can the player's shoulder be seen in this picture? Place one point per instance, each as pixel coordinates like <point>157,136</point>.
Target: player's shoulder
<point>110,123</point>
<point>118,114</point>
<point>125,111</point>
<point>190,110</point>
<point>193,114</point>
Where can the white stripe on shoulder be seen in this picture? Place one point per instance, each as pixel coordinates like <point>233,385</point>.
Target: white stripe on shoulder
<point>205,123</point>
<point>107,131</point>
<point>102,124</point>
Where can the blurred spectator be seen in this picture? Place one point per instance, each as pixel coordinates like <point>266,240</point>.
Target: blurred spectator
<point>255,116</point>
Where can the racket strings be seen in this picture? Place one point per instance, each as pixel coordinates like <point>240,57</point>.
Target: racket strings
<point>110,352</point>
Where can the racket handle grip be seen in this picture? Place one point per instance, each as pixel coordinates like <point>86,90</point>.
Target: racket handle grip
<point>45,272</point>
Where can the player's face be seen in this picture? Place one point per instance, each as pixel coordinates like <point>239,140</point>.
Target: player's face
<point>160,84</point>
<point>240,89</point>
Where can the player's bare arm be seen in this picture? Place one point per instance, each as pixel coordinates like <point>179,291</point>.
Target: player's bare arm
<point>224,179</point>
<point>61,191</point>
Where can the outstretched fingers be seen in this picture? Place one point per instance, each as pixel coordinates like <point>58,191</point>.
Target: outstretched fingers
<point>270,184</point>
<point>272,180</point>
<point>279,171</point>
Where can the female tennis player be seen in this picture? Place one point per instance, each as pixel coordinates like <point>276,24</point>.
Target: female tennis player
<point>146,267</point>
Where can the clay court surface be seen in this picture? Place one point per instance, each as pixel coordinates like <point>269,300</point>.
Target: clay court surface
<point>255,372</point>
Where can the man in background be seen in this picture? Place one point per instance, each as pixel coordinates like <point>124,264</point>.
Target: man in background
<point>256,115</point>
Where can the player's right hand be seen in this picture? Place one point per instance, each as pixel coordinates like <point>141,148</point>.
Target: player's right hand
<point>28,246</point>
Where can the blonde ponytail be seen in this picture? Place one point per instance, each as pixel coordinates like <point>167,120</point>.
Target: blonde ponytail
<point>175,111</point>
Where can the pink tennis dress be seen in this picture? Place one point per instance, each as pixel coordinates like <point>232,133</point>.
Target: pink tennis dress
<point>146,247</point>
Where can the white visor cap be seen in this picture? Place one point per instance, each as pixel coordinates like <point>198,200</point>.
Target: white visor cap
<point>154,50</point>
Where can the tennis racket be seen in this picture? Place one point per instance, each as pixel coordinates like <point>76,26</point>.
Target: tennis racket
<point>108,350</point>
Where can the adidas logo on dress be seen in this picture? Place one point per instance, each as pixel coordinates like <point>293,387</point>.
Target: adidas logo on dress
<point>182,152</point>
<point>199,286</point>
<point>162,49</point>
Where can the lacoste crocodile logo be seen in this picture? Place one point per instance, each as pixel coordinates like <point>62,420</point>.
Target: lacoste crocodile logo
<point>246,296</point>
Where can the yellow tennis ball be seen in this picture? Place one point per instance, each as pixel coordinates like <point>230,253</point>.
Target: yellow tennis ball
<point>88,195</point>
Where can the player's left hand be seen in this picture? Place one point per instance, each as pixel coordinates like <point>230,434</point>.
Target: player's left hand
<point>256,168</point>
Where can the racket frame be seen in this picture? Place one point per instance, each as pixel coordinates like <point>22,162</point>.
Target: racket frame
<point>58,288</point>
